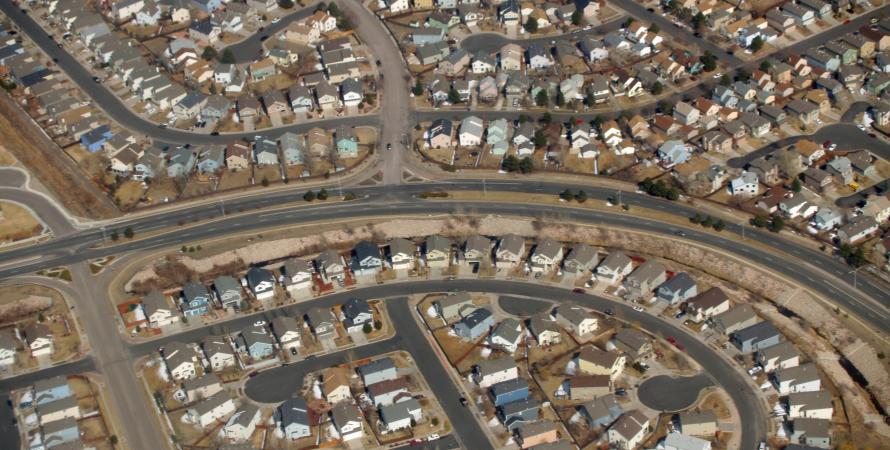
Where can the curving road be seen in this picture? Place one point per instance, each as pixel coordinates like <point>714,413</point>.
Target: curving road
<point>491,42</point>
<point>249,49</point>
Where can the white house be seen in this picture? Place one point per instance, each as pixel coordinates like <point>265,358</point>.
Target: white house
<point>629,430</point>
<point>803,378</point>
<point>212,409</point>
<point>495,371</point>
<point>470,132</point>
<point>745,185</point>
<point>243,423</point>
<point>614,268</point>
<point>810,405</point>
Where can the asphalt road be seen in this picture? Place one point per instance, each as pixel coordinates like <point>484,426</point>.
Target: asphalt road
<point>492,42</point>
<point>671,394</point>
<point>251,48</point>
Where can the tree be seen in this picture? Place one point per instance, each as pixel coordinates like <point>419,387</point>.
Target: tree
<point>697,219</point>
<point>286,4</point>
<point>540,139</point>
<point>708,222</point>
<point>510,163</point>
<point>523,118</point>
<point>322,194</point>
<point>665,107</point>
<point>765,65</point>
<point>566,195</point>
<point>795,185</point>
<point>128,232</point>
<point>309,196</point>
<point>265,181</point>
<point>719,225</point>
<point>628,22</point>
<point>657,88</point>
<point>228,57</point>
<point>577,16</point>
<point>114,235</point>
<point>560,99</point>
<point>581,197</point>
<point>725,80</point>
<point>654,28</point>
<point>366,328</point>
<point>531,25</point>
<point>541,98</point>
<point>742,75</point>
<point>418,88</point>
<point>777,223</point>
<point>757,44</point>
<point>709,61</point>
<point>759,221</point>
<point>333,9</point>
<point>209,53</point>
<point>672,194</point>
<point>453,96</point>
<point>526,165</point>
<point>378,324</point>
<point>698,20</point>
<point>546,118</point>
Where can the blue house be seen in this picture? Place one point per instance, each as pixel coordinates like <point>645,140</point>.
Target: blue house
<point>674,152</point>
<point>257,342</point>
<point>516,413</point>
<point>208,6</point>
<point>60,431</point>
<point>509,391</point>
<point>759,336</point>
<point>94,138</point>
<point>195,299</point>
<point>293,415</point>
<point>376,371</point>
<point>602,411</point>
<point>347,142</point>
<point>474,324</point>
<point>678,289</point>
<point>51,389</point>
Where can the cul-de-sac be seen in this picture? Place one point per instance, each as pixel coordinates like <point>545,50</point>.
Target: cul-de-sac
<point>444,224</point>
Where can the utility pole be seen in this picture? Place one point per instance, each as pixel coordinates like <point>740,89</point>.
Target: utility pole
<point>222,208</point>
<point>742,225</point>
<point>339,185</point>
<point>103,234</point>
<point>484,188</point>
<point>855,273</point>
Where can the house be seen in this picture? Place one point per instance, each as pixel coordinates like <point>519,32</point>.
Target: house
<point>678,289</point>
<point>841,169</point>
<point>814,433</point>
<point>335,385</point>
<point>707,304</point>
<point>437,251</point>
<point>228,291</point>
<point>703,423</point>
<point>7,349</point>
<point>297,275</point>
<point>453,305</point>
<point>802,378</point>
<point>39,339</point>
<point>321,322</point>
<point>587,387</point>
<point>633,343</point>
<point>195,299</point>
<point>388,392</point>
<point>238,155</point>
<point>686,113</point>
<point>538,57</point>
<point>366,258</point>
<point>94,139</point>
<point>783,355</point>
<point>181,360</point>
<point>593,361</point>
<point>601,412</point>
<point>439,134</point>
<point>857,229</point>
<point>509,391</point>
<point>57,410</point>
<point>810,405</point>
<point>490,372</point>
<point>218,352</point>
<point>576,319</point>
<point>382,369</point>
<point>261,283</point>
<point>331,265</point>
<point>806,112</point>
<point>546,256</point>
<point>356,313</point>
<point>803,17</point>
<point>477,250</point>
<point>47,390</point>
<point>506,335</point>
<point>674,152</point>
<point>190,106</point>
<point>737,318</point>
<point>302,99</point>
<point>400,415</point>
<point>580,259</point>
<point>293,418</point>
<point>454,62</point>
<point>644,279</point>
<point>265,152</point>
<point>242,424</point>
<point>756,337</point>
<point>544,330</point>
<point>58,433</point>
<point>348,421</point>
<point>157,310</point>
<point>202,387</point>
<point>520,412</point>
<point>257,342</point>
<point>629,430</point>
<point>877,207</point>
<point>677,441</point>
<point>475,324</point>
<point>827,219</point>
<point>614,268</point>
<point>536,434</point>
<point>470,132</point>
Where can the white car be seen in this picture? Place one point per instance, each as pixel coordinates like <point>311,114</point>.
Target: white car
<point>832,147</point>
<point>860,126</point>
<point>275,20</point>
<point>638,308</point>
<point>718,75</point>
<point>259,323</point>
<point>432,437</point>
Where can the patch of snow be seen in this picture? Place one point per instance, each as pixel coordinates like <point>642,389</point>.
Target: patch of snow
<point>485,352</point>
<point>431,312</point>
<point>332,431</point>
<point>162,373</point>
<point>510,442</point>
<point>576,418</point>
<point>279,433</point>
<point>494,422</point>
<point>185,419</point>
<point>31,419</point>
<point>452,333</point>
<point>316,390</point>
<point>560,392</point>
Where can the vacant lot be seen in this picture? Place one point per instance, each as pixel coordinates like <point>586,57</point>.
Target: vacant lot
<point>17,223</point>
<point>17,302</point>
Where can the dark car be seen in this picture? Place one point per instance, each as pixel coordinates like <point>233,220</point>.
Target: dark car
<point>215,133</point>
<point>609,312</point>
<point>621,391</point>
<point>96,79</point>
<point>389,146</point>
<point>579,291</point>
<point>463,401</point>
<point>265,36</point>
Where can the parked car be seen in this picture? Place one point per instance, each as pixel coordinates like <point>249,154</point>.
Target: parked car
<point>463,401</point>
<point>579,291</point>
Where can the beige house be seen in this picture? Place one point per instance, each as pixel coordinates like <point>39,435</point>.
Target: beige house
<point>335,385</point>
<point>702,423</point>
<point>593,361</point>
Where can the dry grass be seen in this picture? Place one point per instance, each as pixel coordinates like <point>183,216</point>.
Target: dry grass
<point>17,223</point>
<point>6,158</point>
<point>128,194</point>
<point>18,302</point>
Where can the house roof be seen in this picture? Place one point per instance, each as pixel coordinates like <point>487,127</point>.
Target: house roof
<point>294,411</point>
<point>757,332</point>
<point>528,430</point>
<point>573,314</point>
<point>399,411</point>
<point>648,271</point>
<point>738,314</point>
<point>388,386</point>
<point>333,378</point>
<point>548,248</point>
<point>697,418</point>
<point>355,307</point>
<point>508,329</point>
<point>214,345</point>
<point>378,365</point>
<point>256,335</point>
<point>811,400</point>
<point>282,325</point>
<point>344,413</point>
<point>475,318</point>
<point>800,374</point>
<point>598,357</point>
<point>293,266</point>
<point>365,249</point>
<point>153,302</point>
<point>244,415</point>
<point>506,387</point>
<point>630,424</point>
<point>683,442</point>
<point>318,316</point>
<point>203,381</point>
<point>709,299</point>
<point>615,260</point>
<point>512,244</point>
<point>582,254</point>
<point>590,381</point>
<point>478,243</point>
<point>680,282</point>
<point>488,367</point>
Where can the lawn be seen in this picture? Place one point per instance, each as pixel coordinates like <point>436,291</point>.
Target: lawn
<point>17,223</point>
<point>128,193</point>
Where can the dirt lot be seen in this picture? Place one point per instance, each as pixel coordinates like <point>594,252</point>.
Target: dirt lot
<point>6,158</point>
<point>18,302</point>
<point>47,163</point>
<point>128,194</point>
<point>17,223</point>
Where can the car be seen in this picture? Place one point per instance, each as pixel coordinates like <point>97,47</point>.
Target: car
<point>718,75</point>
<point>671,339</point>
<point>609,312</point>
<point>59,45</point>
<point>55,60</point>
<point>621,391</point>
<point>860,126</point>
<point>872,135</point>
<point>215,133</point>
<point>832,147</point>
<point>265,36</point>
<point>680,233</point>
<point>463,401</point>
<point>846,21</point>
<point>680,315</point>
<point>579,291</point>
<point>762,446</point>
<point>378,62</point>
<point>754,370</point>
<point>275,20</point>
<point>162,125</point>
<point>638,308</point>
<point>652,10</point>
<point>293,351</point>
<point>259,323</point>
<point>261,28</point>
<point>96,79</point>
<point>389,146</point>
<point>432,437</point>
<point>826,144</point>
<point>873,20</point>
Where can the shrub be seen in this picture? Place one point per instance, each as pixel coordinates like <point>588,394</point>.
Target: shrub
<point>309,196</point>
<point>378,324</point>
<point>366,328</point>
